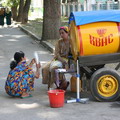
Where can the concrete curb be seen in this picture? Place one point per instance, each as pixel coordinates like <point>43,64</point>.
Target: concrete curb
<point>46,44</point>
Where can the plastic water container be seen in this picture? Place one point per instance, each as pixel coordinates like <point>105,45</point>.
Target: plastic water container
<point>73,84</point>
<point>56,98</point>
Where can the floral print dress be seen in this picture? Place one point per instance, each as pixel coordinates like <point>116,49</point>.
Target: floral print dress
<point>19,80</point>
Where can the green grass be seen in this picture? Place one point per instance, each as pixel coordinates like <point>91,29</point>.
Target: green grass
<point>35,26</point>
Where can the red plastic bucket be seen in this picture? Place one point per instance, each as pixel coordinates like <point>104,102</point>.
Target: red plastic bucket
<point>56,98</point>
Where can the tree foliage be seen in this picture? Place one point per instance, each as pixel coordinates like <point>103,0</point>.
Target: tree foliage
<point>12,3</point>
<point>20,9</point>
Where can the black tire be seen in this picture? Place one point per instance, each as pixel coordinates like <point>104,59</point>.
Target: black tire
<point>105,84</point>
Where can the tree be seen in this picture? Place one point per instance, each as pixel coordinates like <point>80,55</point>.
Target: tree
<point>20,12</point>
<point>63,1</point>
<point>51,19</point>
<point>72,1</point>
<point>25,11</point>
<point>24,7</point>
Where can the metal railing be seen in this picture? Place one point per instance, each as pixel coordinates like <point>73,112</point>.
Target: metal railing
<point>66,9</point>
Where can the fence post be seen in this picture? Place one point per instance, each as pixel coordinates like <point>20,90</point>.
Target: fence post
<point>89,6</point>
<point>79,7</point>
<point>108,4</point>
<point>65,14</point>
<point>73,7</point>
<point>98,5</point>
<point>85,6</point>
<point>61,10</point>
<point>118,4</point>
<point>68,9</point>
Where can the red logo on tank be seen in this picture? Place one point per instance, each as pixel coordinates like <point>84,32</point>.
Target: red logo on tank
<point>102,40</point>
<point>101,32</point>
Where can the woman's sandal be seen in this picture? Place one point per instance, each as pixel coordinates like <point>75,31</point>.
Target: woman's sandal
<point>26,96</point>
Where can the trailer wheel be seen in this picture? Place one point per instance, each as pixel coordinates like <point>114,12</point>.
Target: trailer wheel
<point>105,84</point>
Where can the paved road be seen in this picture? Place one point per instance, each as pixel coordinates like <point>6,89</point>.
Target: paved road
<point>37,107</point>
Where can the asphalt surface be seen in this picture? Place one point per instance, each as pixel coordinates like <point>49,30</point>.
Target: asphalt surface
<point>37,107</point>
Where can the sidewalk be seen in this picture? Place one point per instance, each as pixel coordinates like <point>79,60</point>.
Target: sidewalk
<point>13,39</point>
<point>37,107</point>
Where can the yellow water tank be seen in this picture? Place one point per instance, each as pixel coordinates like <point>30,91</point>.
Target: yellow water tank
<point>94,38</point>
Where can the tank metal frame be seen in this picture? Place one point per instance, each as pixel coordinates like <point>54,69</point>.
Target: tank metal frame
<point>96,60</point>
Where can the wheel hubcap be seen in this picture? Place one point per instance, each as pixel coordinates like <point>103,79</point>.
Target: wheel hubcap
<point>107,85</point>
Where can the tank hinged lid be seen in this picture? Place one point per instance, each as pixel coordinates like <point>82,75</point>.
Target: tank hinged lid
<point>86,17</point>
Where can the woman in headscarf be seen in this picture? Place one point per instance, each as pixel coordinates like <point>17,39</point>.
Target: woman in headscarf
<point>2,15</point>
<point>60,60</point>
<point>8,15</point>
<point>20,80</point>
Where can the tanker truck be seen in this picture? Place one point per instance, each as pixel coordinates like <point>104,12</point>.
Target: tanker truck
<point>95,43</point>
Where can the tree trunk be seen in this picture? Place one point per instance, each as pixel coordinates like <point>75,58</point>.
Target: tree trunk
<point>51,19</point>
<point>25,11</point>
<point>63,1</point>
<point>14,13</point>
<point>20,12</point>
<point>72,1</point>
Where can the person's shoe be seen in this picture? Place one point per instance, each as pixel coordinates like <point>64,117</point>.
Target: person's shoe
<point>23,97</point>
<point>26,95</point>
<point>57,87</point>
<point>64,85</point>
<point>67,85</point>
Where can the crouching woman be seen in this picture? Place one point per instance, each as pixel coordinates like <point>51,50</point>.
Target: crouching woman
<point>20,80</point>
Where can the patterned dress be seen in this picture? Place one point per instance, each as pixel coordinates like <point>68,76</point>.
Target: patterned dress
<point>19,80</point>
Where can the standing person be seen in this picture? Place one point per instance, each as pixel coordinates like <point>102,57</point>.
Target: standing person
<point>8,15</point>
<point>2,15</point>
<point>60,60</point>
<point>20,80</point>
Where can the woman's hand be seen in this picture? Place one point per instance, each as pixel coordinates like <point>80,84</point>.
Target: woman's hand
<point>37,74</point>
<point>32,62</point>
<point>38,65</point>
